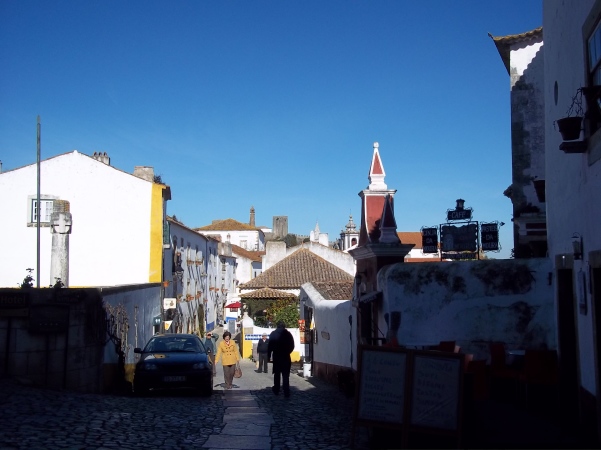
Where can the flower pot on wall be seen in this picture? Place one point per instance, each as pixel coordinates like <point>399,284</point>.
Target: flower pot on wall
<point>570,128</point>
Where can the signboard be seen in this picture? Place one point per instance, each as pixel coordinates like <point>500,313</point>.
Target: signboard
<point>169,303</point>
<point>415,391</point>
<point>430,240</point>
<point>463,256</point>
<point>459,238</point>
<point>489,235</point>
<point>459,214</point>
<point>14,304</point>
<point>435,393</point>
<point>381,396</point>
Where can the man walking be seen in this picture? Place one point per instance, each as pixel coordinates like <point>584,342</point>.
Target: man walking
<point>210,346</point>
<point>281,344</point>
<point>262,350</point>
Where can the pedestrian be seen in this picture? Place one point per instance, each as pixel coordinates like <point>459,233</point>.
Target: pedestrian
<point>227,352</point>
<point>262,350</point>
<point>281,344</point>
<point>210,346</point>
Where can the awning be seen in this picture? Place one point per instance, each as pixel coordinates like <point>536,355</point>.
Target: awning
<point>234,305</point>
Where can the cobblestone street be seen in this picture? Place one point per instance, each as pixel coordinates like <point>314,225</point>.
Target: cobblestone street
<point>317,415</point>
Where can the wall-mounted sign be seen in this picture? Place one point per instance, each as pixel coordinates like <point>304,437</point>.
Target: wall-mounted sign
<point>169,303</point>
<point>489,235</point>
<point>430,240</point>
<point>459,214</point>
<point>156,320</point>
<point>459,238</point>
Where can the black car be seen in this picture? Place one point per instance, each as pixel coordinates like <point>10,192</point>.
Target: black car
<point>173,361</point>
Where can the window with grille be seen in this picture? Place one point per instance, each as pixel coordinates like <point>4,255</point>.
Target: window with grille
<point>45,210</point>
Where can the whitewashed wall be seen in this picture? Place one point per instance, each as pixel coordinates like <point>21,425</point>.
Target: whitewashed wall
<point>573,180</point>
<point>331,318</point>
<point>255,239</point>
<point>472,303</point>
<point>195,250</point>
<point>111,209</point>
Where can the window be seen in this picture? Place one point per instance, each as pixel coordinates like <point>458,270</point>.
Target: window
<point>46,209</point>
<point>594,56</point>
<point>591,33</point>
<point>243,244</point>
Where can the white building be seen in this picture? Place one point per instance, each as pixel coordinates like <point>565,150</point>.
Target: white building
<point>192,270</point>
<point>522,56</point>
<point>241,234</point>
<point>572,48</point>
<point>117,221</point>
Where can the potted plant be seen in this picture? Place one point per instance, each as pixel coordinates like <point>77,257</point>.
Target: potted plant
<point>571,125</point>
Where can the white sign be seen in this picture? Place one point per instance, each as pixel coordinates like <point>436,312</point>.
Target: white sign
<point>169,303</point>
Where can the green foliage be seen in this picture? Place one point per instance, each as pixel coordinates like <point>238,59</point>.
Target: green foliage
<point>261,321</point>
<point>285,310</point>
<point>27,281</point>
<point>290,240</point>
<point>256,306</point>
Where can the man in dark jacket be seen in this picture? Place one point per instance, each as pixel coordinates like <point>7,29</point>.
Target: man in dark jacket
<point>262,350</point>
<point>281,344</point>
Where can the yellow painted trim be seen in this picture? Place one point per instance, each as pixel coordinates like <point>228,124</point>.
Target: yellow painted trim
<point>247,347</point>
<point>156,234</point>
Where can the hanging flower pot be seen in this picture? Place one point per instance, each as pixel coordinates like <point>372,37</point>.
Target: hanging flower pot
<point>570,128</point>
<point>571,125</point>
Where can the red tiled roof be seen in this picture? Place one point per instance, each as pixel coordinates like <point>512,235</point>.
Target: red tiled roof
<point>252,255</point>
<point>302,266</point>
<point>334,290</point>
<point>419,260</point>
<point>411,237</point>
<point>268,293</point>
<point>227,225</point>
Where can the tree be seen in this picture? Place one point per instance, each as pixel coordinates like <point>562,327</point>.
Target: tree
<point>285,310</point>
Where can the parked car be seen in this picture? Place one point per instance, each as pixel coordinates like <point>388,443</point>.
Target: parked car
<point>173,361</point>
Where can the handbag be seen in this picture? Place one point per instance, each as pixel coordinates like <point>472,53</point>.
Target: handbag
<point>237,371</point>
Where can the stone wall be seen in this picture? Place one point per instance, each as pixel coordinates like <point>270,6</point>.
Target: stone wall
<point>58,338</point>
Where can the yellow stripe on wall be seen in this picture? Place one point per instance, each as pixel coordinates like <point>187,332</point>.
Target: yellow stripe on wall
<point>156,234</point>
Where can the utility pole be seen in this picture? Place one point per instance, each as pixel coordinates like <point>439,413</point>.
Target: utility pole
<point>39,210</point>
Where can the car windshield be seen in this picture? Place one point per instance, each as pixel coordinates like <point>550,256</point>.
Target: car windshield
<point>175,344</point>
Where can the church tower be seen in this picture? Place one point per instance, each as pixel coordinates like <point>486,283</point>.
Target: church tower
<point>379,245</point>
<point>349,237</point>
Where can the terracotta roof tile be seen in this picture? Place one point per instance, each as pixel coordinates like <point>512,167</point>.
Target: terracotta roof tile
<point>334,290</point>
<point>227,225</point>
<point>302,266</point>
<point>268,293</point>
<point>252,255</point>
<point>411,237</point>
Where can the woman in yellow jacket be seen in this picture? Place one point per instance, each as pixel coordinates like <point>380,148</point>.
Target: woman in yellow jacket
<point>228,353</point>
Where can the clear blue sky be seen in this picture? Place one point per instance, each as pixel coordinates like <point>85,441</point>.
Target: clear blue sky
<point>272,103</point>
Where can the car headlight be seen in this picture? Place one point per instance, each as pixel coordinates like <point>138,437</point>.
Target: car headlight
<point>150,366</point>
<point>200,365</point>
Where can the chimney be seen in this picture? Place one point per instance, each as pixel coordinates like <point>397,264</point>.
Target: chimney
<point>252,211</point>
<point>102,157</point>
<point>144,172</point>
